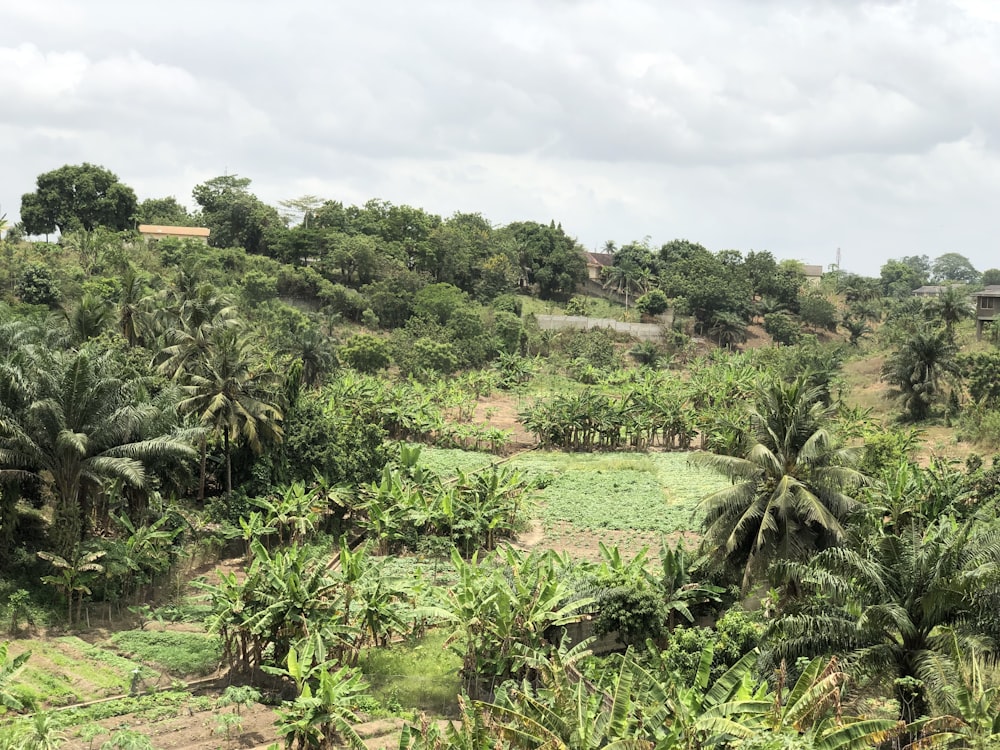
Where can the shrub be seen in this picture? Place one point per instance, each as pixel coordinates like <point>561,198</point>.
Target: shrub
<point>365,353</point>
<point>653,302</point>
<point>782,328</point>
<point>37,286</point>
<point>817,311</point>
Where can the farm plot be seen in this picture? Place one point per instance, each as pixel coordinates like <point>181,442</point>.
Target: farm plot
<point>630,500</point>
<point>68,670</point>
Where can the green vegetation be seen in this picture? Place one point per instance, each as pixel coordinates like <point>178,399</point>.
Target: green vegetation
<point>180,654</point>
<point>419,675</point>
<point>299,395</point>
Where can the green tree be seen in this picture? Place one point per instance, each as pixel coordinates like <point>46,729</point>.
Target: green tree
<point>954,267</point>
<point>84,427</point>
<point>230,396</point>
<point>82,196</point>
<point>991,276</point>
<point>951,306</point>
<point>896,604</point>
<point>548,257</point>
<point>235,216</point>
<point>918,369</point>
<point>365,352</point>
<point>163,211</point>
<point>791,484</point>
<point>899,278</point>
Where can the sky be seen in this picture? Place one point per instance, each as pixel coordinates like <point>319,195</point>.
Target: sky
<point>795,126</point>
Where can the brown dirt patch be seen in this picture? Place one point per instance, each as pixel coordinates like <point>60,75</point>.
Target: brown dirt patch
<point>584,544</point>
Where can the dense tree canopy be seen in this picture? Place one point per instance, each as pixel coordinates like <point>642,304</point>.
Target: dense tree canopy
<point>81,196</point>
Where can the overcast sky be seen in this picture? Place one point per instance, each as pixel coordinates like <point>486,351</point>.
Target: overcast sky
<point>795,126</point>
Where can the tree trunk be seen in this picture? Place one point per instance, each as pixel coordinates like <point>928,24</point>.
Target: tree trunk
<point>201,478</point>
<point>229,464</point>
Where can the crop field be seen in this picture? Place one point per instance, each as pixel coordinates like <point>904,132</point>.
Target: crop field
<point>616,498</point>
<point>69,670</point>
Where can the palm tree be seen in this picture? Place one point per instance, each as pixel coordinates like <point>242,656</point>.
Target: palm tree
<point>81,428</point>
<point>196,320</point>
<point>624,278</point>
<point>728,329</point>
<point>89,319</point>
<point>230,397</point>
<point>131,317</point>
<point>896,604</point>
<point>790,491</point>
<point>951,306</point>
<point>316,352</point>
<point>919,367</point>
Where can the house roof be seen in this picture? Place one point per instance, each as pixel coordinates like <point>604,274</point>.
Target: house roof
<point>600,259</point>
<point>993,290</point>
<point>812,272</point>
<point>929,290</point>
<point>161,230</point>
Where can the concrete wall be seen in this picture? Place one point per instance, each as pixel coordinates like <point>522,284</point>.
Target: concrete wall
<point>640,331</point>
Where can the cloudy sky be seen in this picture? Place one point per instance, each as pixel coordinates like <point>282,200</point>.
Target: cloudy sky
<point>796,126</point>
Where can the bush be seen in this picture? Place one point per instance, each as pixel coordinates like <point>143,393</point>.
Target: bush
<point>653,302</point>
<point>37,286</point>
<point>365,353</point>
<point>636,612</point>
<point>818,312</point>
<point>782,328</point>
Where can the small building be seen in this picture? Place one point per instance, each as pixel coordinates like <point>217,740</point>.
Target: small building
<point>987,307</point>
<point>929,290</point>
<point>596,263</point>
<point>159,231</point>
<point>812,273</point>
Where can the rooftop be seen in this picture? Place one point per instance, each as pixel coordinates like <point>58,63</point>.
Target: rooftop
<point>165,231</point>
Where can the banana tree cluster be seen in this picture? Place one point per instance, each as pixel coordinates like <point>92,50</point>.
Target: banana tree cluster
<point>473,511</point>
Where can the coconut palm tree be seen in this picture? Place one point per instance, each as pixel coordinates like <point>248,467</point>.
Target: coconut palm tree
<point>81,428</point>
<point>919,368</point>
<point>792,485</point>
<point>231,398</point>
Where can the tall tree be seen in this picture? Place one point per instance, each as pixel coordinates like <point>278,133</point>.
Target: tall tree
<point>952,306</point>
<point>791,484</point>
<point>231,397</point>
<point>235,216</point>
<point>82,196</point>
<point>955,267</point>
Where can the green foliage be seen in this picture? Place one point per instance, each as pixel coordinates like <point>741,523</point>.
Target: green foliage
<point>980,373</point>
<point>80,196</point>
<point>179,653</point>
<point>818,312</point>
<point>653,302</point>
<point>501,610</point>
<point>365,352</point>
<point>783,328</point>
<point>36,285</point>
<point>420,674</point>
<point>917,371</point>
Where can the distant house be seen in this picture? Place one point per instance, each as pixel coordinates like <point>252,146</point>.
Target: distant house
<point>929,290</point>
<point>987,307</point>
<point>596,263</point>
<point>159,231</point>
<point>813,274</point>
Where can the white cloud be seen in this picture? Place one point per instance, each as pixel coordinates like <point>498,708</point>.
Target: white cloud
<point>795,127</point>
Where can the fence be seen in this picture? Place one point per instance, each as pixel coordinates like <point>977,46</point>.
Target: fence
<point>640,331</point>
